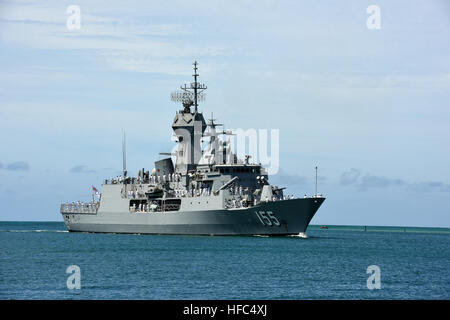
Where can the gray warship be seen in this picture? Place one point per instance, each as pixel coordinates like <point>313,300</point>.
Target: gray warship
<point>207,191</point>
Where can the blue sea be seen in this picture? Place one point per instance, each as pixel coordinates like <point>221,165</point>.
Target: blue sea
<point>414,263</point>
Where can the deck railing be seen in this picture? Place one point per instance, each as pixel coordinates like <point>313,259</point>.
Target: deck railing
<point>79,207</point>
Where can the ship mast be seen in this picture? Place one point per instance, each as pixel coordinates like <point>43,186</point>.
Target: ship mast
<point>192,94</point>
<point>195,86</point>
<point>189,126</point>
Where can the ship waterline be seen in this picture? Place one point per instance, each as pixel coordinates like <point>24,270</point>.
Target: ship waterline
<point>286,217</point>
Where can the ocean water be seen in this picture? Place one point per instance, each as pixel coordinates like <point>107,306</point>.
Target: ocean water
<point>331,263</point>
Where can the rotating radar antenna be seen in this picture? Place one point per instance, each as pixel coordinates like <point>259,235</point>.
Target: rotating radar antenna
<point>190,95</point>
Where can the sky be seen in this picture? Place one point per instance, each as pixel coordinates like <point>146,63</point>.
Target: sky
<point>369,106</point>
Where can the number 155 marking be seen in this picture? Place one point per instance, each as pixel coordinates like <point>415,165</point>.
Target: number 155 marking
<point>267,218</point>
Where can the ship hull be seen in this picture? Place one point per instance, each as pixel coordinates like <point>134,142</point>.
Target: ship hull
<point>284,217</point>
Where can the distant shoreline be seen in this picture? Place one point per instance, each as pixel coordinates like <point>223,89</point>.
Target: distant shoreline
<point>379,228</point>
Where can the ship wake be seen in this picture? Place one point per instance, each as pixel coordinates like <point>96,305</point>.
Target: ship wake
<point>302,235</point>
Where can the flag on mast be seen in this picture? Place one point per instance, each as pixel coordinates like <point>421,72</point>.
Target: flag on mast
<point>94,189</point>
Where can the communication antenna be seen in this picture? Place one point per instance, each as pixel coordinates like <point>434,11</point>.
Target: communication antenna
<point>124,154</point>
<point>186,98</point>
<point>192,94</point>
<point>316,181</point>
<point>212,124</point>
<point>227,132</point>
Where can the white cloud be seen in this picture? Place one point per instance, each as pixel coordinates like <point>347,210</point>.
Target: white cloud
<point>124,42</point>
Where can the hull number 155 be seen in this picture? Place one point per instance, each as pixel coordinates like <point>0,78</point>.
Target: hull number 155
<point>267,218</point>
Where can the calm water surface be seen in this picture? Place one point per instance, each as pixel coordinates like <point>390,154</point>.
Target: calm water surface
<point>330,264</point>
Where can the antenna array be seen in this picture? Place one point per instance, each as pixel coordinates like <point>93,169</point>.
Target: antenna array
<point>192,94</point>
